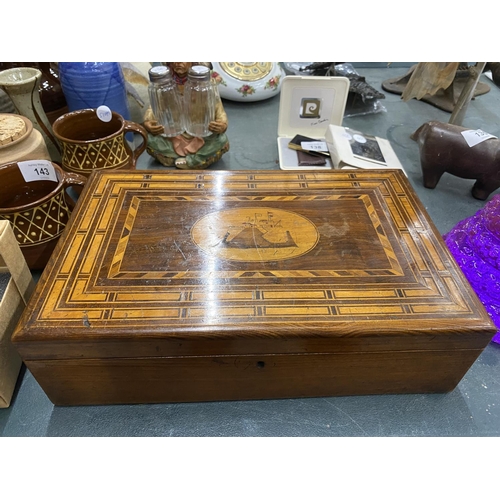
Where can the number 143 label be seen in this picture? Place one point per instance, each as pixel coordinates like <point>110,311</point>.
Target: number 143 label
<point>37,170</point>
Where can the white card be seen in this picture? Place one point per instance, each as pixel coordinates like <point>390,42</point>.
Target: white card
<point>314,146</point>
<point>37,170</point>
<point>474,137</point>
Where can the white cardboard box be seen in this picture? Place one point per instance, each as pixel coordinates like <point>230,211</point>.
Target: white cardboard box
<point>353,149</point>
<point>13,300</point>
<point>308,105</point>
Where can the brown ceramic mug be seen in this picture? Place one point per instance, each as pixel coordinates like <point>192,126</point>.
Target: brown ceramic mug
<point>88,143</point>
<point>34,199</point>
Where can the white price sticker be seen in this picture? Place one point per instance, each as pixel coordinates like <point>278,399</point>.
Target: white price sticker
<point>104,113</point>
<point>359,138</point>
<point>37,170</point>
<point>314,146</point>
<point>474,137</point>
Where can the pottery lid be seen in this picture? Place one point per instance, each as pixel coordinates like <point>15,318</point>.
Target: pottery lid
<point>13,129</point>
<point>159,73</point>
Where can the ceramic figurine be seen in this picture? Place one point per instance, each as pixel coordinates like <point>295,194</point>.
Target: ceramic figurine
<point>248,81</point>
<point>443,148</point>
<point>185,151</point>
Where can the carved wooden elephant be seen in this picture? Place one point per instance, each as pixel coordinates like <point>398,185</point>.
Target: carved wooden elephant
<point>444,149</point>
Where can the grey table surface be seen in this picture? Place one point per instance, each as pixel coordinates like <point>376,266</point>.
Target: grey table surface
<point>472,409</point>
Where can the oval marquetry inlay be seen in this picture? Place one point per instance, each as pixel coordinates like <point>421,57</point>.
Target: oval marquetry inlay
<point>255,234</point>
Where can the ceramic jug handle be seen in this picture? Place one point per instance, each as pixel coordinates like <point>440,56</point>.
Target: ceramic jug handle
<point>138,129</point>
<point>72,179</point>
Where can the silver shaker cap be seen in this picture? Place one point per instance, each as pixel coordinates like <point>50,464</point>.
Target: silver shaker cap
<point>199,73</point>
<point>159,73</point>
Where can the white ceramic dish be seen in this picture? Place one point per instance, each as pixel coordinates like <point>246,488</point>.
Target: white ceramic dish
<point>248,81</point>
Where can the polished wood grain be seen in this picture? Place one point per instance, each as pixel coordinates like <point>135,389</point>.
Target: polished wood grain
<point>161,273</point>
<point>206,378</point>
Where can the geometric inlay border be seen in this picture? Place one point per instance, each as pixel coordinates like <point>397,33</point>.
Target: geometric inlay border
<point>77,290</point>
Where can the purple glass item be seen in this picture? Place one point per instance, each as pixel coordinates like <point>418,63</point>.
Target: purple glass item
<point>475,245</point>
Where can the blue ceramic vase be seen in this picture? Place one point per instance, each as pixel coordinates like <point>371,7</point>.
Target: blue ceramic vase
<point>93,84</point>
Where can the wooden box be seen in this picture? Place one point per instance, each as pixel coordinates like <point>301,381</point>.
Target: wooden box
<point>225,285</point>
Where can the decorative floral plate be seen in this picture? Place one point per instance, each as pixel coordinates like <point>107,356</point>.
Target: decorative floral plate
<point>248,81</point>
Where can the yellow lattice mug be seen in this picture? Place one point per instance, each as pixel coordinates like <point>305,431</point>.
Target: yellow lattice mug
<point>93,140</point>
<point>34,198</point>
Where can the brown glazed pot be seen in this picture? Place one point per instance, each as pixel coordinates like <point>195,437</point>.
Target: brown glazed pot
<point>37,209</point>
<point>89,144</point>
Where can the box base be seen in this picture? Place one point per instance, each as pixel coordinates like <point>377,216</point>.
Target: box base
<point>224,378</point>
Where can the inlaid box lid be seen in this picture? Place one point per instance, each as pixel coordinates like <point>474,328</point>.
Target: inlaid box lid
<point>166,263</point>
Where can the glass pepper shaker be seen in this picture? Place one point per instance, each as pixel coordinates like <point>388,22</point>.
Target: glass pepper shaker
<point>199,101</point>
<point>166,101</point>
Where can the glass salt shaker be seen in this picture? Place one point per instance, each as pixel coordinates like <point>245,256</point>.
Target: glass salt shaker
<point>199,101</point>
<point>166,101</point>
